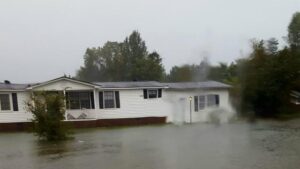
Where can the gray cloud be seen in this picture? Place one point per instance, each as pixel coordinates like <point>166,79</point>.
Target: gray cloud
<point>40,40</point>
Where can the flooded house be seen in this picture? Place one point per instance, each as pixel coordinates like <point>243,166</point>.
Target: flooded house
<point>92,104</point>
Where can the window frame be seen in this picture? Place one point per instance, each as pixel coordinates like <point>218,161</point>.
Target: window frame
<point>148,95</point>
<point>211,100</point>
<point>68,102</point>
<point>9,101</point>
<point>216,103</point>
<point>204,102</point>
<point>114,98</point>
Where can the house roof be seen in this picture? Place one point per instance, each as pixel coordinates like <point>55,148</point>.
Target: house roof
<point>58,79</point>
<point>197,85</point>
<point>13,86</point>
<point>123,85</point>
<point>132,84</point>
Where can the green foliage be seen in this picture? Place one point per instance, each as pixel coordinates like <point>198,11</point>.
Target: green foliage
<point>261,83</point>
<point>294,31</point>
<point>102,63</point>
<point>180,74</point>
<point>124,61</point>
<point>48,110</point>
<point>224,73</point>
<point>267,79</point>
<point>272,46</point>
<point>187,72</point>
<point>204,71</point>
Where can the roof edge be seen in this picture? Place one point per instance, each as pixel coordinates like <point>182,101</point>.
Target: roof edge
<point>62,78</point>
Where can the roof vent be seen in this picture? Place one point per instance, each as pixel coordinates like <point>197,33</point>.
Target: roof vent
<point>6,81</point>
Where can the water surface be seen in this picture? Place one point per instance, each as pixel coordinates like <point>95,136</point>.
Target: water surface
<point>262,145</point>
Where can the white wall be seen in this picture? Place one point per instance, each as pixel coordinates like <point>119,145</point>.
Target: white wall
<point>16,116</point>
<point>179,106</point>
<point>133,104</point>
<point>174,105</point>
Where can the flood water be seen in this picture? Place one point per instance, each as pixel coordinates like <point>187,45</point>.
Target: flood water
<point>262,145</point>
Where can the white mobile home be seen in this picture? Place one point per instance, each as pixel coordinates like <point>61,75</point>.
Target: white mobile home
<point>121,102</point>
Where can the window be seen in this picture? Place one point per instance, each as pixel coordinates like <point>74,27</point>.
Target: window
<point>152,93</point>
<point>79,100</point>
<point>212,100</point>
<point>203,101</point>
<point>4,102</point>
<point>109,99</point>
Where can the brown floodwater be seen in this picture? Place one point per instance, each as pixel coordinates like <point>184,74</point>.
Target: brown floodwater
<point>240,145</point>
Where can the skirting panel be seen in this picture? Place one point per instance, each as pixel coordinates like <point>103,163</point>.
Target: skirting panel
<point>27,126</point>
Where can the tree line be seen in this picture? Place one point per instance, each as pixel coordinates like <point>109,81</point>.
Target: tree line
<point>261,82</point>
<point>122,61</point>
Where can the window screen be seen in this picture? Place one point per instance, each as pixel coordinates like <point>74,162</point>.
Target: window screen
<point>152,93</point>
<point>4,102</point>
<point>201,102</point>
<point>109,99</point>
<point>79,100</point>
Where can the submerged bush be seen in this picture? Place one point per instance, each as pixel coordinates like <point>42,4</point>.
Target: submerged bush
<point>48,109</point>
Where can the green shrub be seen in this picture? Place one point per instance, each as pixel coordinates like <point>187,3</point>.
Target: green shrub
<point>48,109</point>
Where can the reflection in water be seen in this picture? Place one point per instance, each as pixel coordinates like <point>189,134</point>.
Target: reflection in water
<point>111,147</point>
<point>62,149</point>
<point>267,145</point>
<point>44,148</point>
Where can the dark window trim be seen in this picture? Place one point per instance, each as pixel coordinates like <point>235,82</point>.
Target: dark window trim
<point>101,100</point>
<point>15,101</point>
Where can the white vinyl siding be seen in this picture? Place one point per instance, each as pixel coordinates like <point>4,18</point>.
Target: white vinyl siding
<point>174,105</point>
<point>133,105</point>
<point>21,115</point>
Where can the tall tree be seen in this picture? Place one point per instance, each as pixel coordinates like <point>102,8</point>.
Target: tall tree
<point>102,63</point>
<point>194,72</point>
<point>272,45</point>
<point>124,61</point>
<point>267,80</point>
<point>136,54</point>
<point>154,68</point>
<point>180,74</point>
<point>294,31</point>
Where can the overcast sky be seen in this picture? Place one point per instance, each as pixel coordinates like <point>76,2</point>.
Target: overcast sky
<point>44,39</point>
